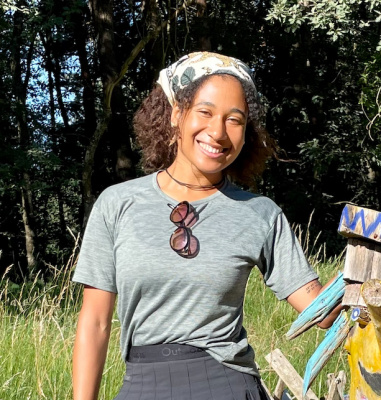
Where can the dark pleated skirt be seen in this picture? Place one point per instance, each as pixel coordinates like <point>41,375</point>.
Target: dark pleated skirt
<point>196,379</point>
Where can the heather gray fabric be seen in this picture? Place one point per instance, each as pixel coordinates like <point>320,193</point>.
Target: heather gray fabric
<point>164,298</point>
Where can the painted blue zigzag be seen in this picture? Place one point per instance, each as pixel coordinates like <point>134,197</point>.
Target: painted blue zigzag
<point>359,215</point>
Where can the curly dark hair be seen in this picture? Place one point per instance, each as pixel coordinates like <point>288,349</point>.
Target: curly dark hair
<point>157,139</point>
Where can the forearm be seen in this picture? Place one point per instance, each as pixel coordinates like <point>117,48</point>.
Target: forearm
<point>303,297</point>
<point>90,351</point>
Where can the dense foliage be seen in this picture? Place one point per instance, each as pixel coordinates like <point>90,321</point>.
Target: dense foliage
<point>73,73</point>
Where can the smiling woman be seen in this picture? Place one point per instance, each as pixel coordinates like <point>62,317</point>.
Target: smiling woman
<point>178,246</point>
<point>157,132</point>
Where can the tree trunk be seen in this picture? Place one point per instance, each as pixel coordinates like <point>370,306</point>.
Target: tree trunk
<point>154,50</point>
<point>88,196</point>
<point>53,67</point>
<point>20,91</point>
<point>27,216</point>
<point>80,37</point>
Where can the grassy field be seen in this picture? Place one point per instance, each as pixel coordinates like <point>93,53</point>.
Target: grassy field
<point>37,328</point>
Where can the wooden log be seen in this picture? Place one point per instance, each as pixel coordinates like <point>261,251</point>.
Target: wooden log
<point>360,222</point>
<point>371,292</point>
<point>288,374</point>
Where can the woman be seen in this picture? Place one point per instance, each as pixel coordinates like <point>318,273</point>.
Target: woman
<point>178,245</point>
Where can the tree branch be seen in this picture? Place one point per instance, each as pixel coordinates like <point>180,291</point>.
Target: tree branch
<point>137,49</point>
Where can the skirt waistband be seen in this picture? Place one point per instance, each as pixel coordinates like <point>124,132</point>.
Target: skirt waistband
<point>164,352</point>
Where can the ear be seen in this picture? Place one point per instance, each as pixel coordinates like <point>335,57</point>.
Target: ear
<point>175,116</point>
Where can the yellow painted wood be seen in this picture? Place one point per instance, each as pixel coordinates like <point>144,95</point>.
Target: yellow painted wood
<point>363,350</point>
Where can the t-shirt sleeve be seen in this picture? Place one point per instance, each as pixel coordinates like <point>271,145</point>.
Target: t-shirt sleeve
<point>96,265</point>
<point>283,264</point>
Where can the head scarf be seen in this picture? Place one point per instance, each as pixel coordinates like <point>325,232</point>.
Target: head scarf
<point>193,66</point>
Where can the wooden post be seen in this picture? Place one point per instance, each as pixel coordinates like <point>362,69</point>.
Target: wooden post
<point>362,227</point>
<point>289,375</point>
<point>362,272</point>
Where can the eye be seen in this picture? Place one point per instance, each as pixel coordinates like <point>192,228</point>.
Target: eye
<point>235,121</point>
<point>205,113</point>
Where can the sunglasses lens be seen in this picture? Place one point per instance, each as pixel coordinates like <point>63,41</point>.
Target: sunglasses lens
<point>184,214</point>
<point>184,243</point>
<point>179,239</point>
<point>179,213</point>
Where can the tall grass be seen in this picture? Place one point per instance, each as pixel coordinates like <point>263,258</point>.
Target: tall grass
<point>38,322</point>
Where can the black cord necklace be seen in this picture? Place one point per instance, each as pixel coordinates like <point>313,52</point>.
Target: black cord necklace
<point>197,187</point>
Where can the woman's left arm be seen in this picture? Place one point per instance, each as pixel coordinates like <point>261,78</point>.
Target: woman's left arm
<point>302,298</point>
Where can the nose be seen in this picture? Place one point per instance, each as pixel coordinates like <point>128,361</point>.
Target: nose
<point>217,129</point>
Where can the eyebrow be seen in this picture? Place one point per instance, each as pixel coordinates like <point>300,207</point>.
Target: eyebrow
<point>208,103</point>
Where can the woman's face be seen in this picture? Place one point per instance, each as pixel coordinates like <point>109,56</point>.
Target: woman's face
<point>212,131</point>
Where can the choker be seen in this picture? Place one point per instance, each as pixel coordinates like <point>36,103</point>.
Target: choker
<point>197,187</point>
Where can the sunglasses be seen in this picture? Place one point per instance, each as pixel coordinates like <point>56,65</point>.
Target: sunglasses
<point>182,241</point>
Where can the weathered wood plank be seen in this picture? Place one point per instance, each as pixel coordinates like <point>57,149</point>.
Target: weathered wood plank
<point>332,340</point>
<point>288,374</point>
<point>336,386</point>
<point>360,222</point>
<point>352,296</point>
<point>371,292</point>
<point>376,267</point>
<point>362,261</point>
<point>280,386</point>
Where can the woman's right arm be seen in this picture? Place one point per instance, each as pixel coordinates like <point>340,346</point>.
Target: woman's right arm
<point>91,342</point>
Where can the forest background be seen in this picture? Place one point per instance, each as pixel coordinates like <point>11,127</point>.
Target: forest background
<point>72,74</point>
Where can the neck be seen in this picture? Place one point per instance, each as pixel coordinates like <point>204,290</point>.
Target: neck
<point>190,175</point>
<point>209,186</point>
<point>189,181</point>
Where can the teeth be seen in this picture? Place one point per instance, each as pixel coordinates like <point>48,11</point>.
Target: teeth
<point>210,149</point>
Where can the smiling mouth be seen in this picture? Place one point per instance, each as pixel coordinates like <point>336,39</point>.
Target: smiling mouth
<point>211,149</point>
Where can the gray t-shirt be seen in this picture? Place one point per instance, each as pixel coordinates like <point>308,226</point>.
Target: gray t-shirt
<point>165,298</point>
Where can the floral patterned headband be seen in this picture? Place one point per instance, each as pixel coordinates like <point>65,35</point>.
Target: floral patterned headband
<point>193,66</point>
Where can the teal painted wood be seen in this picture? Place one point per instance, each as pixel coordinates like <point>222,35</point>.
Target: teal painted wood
<point>319,308</point>
<point>332,340</point>
<point>355,224</point>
